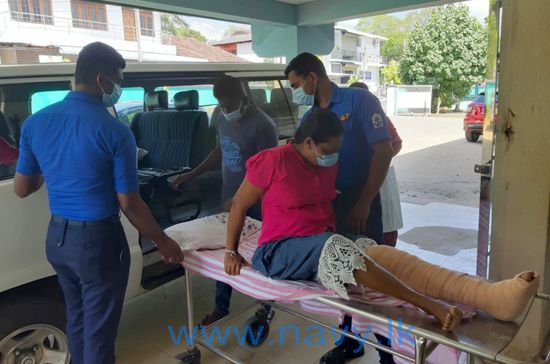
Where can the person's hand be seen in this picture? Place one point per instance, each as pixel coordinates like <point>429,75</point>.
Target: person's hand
<point>170,250</point>
<point>232,264</point>
<point>227,204</point>
<point>181,179</point>
<point>357,218</point>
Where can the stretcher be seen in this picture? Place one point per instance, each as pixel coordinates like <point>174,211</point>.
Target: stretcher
<point>479,336</point>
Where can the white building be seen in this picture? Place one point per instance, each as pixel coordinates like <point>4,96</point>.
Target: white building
<point>356,54</point>
<point>60,28</point>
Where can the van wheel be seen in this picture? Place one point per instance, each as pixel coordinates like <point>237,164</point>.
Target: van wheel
<point>32,332</point>
<point>471,136</point>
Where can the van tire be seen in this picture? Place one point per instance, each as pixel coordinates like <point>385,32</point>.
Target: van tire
<point>25,315</point>
<point>471,136</point>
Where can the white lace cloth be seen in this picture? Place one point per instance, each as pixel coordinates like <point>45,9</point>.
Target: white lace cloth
<point>339,258</point>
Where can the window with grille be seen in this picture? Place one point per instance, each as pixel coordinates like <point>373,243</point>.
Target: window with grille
<point>31,11</point>
<point>146,23</point>
<point>89,15</point>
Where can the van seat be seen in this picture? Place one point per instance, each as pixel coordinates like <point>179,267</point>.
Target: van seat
<point>174,139</point>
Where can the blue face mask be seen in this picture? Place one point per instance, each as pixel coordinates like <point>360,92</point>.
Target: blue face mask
<point>234,115</point>
<point>327,160</point>
<point>112,99</point>
<point>300,97</point>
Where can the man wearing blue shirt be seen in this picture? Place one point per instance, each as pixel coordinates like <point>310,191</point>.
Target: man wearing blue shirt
<point>88,160</point>
<point>364,159</point>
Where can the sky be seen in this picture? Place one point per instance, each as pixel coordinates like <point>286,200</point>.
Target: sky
<point>214,29</point>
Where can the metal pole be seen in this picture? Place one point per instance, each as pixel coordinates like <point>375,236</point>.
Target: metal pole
<point>189,286</point>
<point>420,349</point>
<point>138,36</point>
<point>342,332</point>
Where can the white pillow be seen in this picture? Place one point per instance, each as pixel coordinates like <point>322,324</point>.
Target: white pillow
<point>208,232</point>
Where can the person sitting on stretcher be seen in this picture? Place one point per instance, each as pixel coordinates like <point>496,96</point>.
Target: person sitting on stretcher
<point>296,183</point>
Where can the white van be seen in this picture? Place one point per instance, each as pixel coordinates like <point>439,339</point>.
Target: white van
<point>31,304</point>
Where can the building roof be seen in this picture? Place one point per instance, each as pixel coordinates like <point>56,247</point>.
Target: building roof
<point>239,38</point>
<point>356,32</point>
<point>190,47</point>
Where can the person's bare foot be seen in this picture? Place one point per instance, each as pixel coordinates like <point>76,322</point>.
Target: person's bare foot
<point>449,316</point>
<point>453,318</point>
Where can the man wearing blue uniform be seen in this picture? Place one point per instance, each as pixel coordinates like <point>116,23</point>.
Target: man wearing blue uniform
<point>88,160</point>
<point>364,160</point>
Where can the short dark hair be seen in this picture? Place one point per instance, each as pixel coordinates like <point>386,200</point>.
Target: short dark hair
<point>95,58</point>
<point>320,125</point>
<point>360,85</point>
<point>305,63</point>
<point>228,87</point>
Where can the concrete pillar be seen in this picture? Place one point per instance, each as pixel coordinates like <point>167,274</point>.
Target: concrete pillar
<point>521,194</point>
<point>271,41</point>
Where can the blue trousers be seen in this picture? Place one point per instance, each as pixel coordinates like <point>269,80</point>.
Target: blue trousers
<point>92,262</point>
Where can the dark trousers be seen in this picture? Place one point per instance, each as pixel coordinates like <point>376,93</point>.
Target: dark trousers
<point>92,262</point>
<point>374,230</point>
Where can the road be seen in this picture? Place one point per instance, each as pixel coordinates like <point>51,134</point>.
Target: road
<point>436,163</point>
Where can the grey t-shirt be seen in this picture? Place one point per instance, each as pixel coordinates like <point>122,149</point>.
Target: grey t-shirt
<point>239,141</point>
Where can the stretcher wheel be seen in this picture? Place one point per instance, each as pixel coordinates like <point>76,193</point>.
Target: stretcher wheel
<point>260,321</point>
<point>191,356</point>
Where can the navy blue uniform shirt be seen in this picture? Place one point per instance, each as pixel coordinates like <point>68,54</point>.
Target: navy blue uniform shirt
<point>365,124</point>
<point>85,155</point>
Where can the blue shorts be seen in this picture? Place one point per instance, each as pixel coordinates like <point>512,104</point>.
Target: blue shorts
<point>294,258</point>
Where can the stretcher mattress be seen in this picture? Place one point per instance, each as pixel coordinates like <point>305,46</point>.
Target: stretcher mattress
<point>209,264</point>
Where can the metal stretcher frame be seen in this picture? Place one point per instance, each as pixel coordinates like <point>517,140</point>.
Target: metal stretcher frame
<point>482,337</point>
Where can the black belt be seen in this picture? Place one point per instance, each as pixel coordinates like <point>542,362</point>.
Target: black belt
<point>62,220</point>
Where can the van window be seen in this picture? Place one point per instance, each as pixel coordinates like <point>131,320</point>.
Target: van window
<point>207,101</point>
<point>41,99</point>
<point>274,97</point>
<point>206,93</point>
<point>131,103</point>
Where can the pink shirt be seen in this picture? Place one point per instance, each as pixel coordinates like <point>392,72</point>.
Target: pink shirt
<point>297,198</point>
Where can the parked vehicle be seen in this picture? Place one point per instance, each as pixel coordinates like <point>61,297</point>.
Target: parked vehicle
<point>473,122</point>
<point>32,320</point>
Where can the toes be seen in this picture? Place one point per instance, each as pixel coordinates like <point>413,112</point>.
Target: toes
<point>528,276</point>
<point>452,319</point>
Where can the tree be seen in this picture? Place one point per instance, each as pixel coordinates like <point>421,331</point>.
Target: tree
<point>449,52</point>
<point>397,30</point>
<point>383,25</point>
<point>189,33</point>
<point>172,21</point>
<point>391,72</point>
<point>394,47</point>
<point>178,27</point>
<point>415,18</point>
<point>353,79</point>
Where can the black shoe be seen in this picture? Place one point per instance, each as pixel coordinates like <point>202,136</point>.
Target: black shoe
<point>211,318</point>
<point>341,354</point>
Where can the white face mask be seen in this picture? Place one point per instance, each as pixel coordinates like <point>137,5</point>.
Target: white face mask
<point>234,115</point>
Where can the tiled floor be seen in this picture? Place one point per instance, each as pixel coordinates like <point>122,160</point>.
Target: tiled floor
<point>144,336</point>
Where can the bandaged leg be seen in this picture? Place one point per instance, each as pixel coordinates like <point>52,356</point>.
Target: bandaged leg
<point>504,300</point>
<point>344,262</point>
